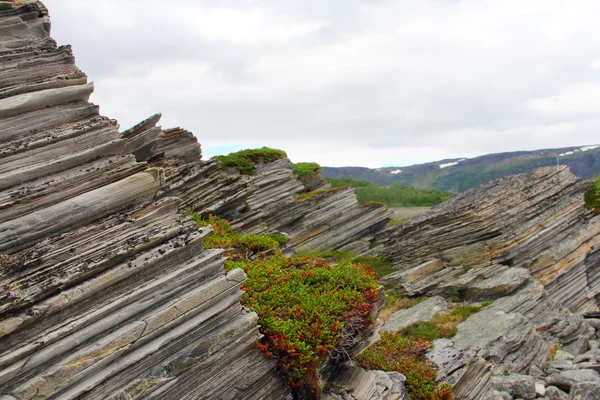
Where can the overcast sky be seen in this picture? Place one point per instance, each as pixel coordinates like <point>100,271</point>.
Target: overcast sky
<point>346,82</point>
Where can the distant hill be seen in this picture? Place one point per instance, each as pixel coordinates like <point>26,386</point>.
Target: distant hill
<point>461,174</point>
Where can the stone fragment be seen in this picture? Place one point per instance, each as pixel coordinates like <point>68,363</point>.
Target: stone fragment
<point>518,386</point>
<point>540,389</point>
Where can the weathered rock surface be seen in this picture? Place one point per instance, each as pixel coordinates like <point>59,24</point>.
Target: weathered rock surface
<point>354,383</point>
<point>585,391</point>
<point>461,366</point>
<point>536,221</point>
<point>106,291</point>
<point>518,386</point>
<point>554,393</point>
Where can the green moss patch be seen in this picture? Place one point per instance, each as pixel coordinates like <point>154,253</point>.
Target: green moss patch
<point>245,160</point>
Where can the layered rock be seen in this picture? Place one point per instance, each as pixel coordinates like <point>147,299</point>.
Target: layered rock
<point>536,221</point>
<point>106,291</point>
<point>267,201</point>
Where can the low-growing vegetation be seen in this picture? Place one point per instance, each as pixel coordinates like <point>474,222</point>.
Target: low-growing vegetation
<point>441,325</point>
<point>394,302</point>
<point>392,195</point>
<point>245,160</point>
<point>307,170</point>
<point>308,308</point>
<point>225,238</point>
<point>404,350</point>
<point>393,221</point>
<point>406,355</point>
<point>592,196</point>
<point>553,350</point>
<point>381,266</point>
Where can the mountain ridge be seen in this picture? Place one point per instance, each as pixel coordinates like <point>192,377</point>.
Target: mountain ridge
<point>458,175</point>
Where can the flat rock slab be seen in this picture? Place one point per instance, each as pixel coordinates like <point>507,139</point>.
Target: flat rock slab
<point>450,358</point>
<point>421,312</point>
<point>499,285</point>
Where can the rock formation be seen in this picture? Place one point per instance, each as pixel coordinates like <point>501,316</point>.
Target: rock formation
<point>526,244</point>
<point>537,221</point>
<point>106,290</point>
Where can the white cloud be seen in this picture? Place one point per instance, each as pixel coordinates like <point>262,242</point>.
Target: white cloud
<point>347,82</point>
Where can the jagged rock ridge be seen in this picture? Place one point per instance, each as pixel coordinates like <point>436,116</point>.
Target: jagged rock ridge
<point>106,290</point>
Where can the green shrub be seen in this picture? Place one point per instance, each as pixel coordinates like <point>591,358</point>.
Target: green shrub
<point>394,352</point>
<point>245,160</point>
<point>381,266</point>
<point>307,170</point>
<point>303,303</point>
<point>592,196</point>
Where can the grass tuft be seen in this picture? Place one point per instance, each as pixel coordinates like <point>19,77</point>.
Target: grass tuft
<point>307,170</point>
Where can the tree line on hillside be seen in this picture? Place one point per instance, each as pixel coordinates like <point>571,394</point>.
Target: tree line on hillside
<point>392,195</point>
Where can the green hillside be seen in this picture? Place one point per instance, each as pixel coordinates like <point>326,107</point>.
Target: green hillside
<point>392,195</point>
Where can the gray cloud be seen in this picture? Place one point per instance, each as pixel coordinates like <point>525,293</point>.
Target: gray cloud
<point>350,82</point>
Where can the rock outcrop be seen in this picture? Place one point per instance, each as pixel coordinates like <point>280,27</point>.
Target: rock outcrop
<point>106,291</point>
<point>527,249</point>
<point>537,221</point>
